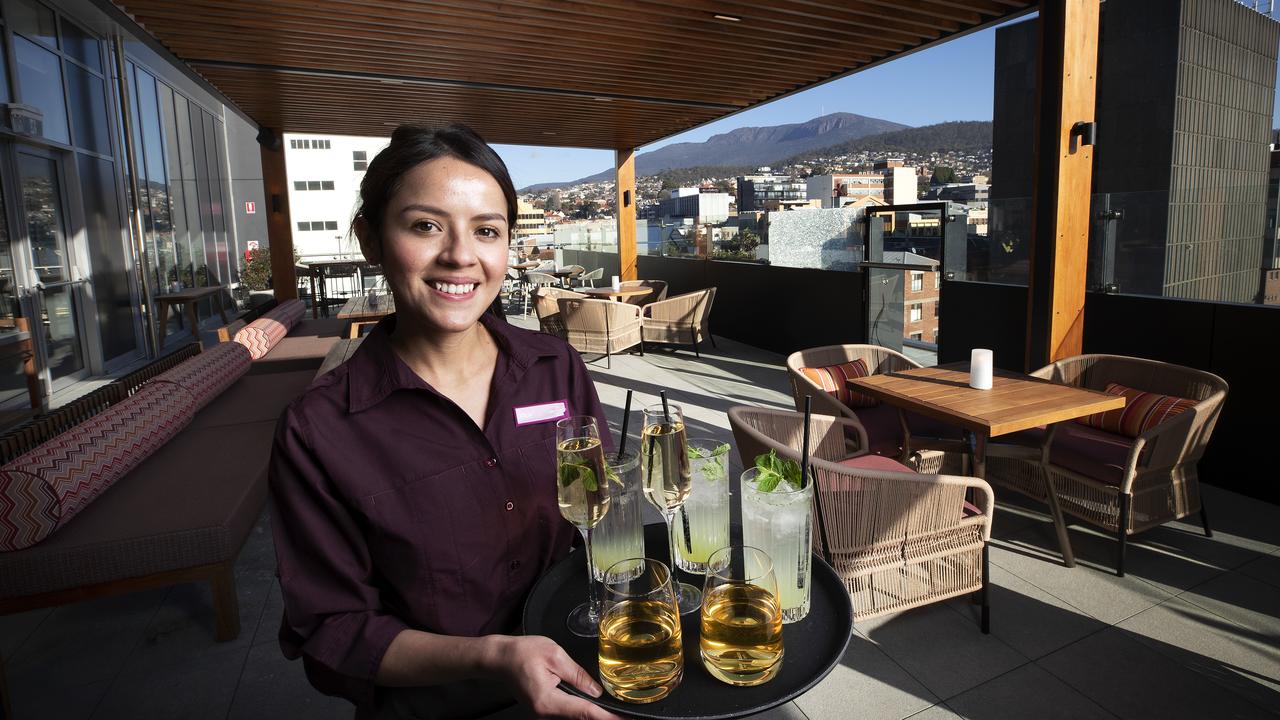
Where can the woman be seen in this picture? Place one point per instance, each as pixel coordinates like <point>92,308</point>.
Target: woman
<point>413,497</point>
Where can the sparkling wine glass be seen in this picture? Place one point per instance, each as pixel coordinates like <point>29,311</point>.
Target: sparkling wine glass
<point>582,490</point>
<point>664,464</point>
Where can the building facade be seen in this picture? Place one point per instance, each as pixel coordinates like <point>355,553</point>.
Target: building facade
<point>530,223</point>
<point>124,176</point>
<point>1185,95</point>
<point>766,191</point>
<point>324,189</point>
<point>692,203</point>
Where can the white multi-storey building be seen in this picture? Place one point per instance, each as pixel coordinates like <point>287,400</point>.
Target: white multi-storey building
<point>324,185</point>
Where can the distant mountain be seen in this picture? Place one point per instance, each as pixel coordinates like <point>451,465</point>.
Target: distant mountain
<point>750,146</point>
<point>969,136</point>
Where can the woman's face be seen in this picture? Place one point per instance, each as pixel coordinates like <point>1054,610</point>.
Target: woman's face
<point>444,244</point>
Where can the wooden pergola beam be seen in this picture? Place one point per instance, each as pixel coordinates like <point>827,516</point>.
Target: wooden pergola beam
<point>1068,59</point>
<point>625,187</point>
<point>275,183</point>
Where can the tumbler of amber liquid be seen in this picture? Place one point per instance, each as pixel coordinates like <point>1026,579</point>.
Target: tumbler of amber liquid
<point>641,656</point>
<point>741,639</point>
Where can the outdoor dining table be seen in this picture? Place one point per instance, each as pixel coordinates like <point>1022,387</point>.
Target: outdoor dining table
<point>1015,402</point>
<point>618,295</point>
<point>359,311</point>
<point>564,275</point>
<point>813,646</point>
<point>188,297</point>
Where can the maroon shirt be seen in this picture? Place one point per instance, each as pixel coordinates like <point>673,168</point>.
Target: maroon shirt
<point>392,509</point>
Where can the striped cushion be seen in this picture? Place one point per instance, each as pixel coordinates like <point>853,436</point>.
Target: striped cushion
<point>43,489</point>
<point>1141,412</point>
<point>206,375</point>
<point>832,379</point>
<point>262,334</point>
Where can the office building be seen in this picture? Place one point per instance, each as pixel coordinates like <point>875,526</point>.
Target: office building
<point>324,190</point>
<point>768,191</point>
<point>701,207</point>
<point>1184,103</point>
<point>530,222</point>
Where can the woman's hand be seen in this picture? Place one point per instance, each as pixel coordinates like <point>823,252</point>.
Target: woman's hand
<point>533,666</point>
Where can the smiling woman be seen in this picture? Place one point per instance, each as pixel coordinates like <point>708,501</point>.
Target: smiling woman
<point>413,509</point>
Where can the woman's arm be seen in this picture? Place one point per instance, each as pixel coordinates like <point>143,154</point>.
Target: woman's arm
<point>531,666</point>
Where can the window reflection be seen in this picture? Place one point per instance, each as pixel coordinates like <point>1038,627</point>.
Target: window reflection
<point>40,81</point>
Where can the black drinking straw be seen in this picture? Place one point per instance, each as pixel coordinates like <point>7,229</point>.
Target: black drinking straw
<point>804,450</point>
<point>626,416</point>
<point>666,412</point>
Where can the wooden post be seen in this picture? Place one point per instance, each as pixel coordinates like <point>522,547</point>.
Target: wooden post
<point>1068,60</point>
<point>625,163</point>
<point>275,182</point>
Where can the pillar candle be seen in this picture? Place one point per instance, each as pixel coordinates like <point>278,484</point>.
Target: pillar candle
<point>981,363</point>
<point>615,283</point>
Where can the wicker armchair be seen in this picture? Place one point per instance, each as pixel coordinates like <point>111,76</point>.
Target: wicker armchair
<point>681,320</point>
<point>546,305</point>
<point>589,278</point>
<point>930,446</point>
<point>897,539</point>
<point>1153,478</point>
<point>658,288</point>
<point>601,326</point>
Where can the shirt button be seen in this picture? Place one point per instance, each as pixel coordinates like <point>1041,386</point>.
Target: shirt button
<point>511,505</point>
<point>515,565</point>
<point>491,463</point>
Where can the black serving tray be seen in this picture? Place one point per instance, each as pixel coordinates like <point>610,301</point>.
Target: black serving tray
<point>813,645</point>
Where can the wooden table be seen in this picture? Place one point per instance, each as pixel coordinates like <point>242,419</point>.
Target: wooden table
<point>338,354</point>
<point>564,275</point>
<point>524,266</point>
<point>189,298</point>
<point>359,311</point>
<point>618,295</point>
<point>1014,402</point>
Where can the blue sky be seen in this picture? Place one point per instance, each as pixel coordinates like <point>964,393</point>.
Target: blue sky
<point>928,87</point>
<point>952,81</point>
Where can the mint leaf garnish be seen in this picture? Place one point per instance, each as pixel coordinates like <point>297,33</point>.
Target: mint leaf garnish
<point>774,470</point>
<point>571,473</point>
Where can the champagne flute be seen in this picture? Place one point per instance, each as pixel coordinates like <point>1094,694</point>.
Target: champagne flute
<point>664,463</point>
<point>582,490</point>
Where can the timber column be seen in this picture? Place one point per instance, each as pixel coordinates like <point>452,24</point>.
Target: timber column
<point>1068,61</point>
<point>625,164</point>
<point>275,183</point>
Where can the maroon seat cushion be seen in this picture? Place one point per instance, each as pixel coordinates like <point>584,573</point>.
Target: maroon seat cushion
<point>884,429</point>
<point>1094,453</point>
<point>875,462</point>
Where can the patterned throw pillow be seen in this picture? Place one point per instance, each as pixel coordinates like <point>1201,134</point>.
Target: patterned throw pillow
<point>1141,412</point>
<point>833,379</point>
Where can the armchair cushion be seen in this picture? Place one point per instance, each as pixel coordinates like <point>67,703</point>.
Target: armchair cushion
<point>1094,453</point>
<point>884,429</point>
<point>875,462</point>
<point>833,380</point>
<point>1141,412</point>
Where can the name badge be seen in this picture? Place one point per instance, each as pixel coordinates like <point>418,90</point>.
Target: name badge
<point>542,412</point>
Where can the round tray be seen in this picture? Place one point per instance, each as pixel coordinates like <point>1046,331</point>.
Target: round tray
<point>813,645</point>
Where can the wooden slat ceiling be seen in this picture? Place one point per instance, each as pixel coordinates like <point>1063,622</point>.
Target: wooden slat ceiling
<point>582,73</point>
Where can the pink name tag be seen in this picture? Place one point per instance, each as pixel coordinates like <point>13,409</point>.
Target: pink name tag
<point>542,412</point>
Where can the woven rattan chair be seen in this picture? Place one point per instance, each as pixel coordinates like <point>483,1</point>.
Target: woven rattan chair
<point>681,320</point>
<point>601,326</point>
<point>535,281</point>
<point>658,290</point>
<point>924,443</point>
<point>589,278</point>
<point>547,307</point>
<point>1155,477</point>
<point>897,539</point>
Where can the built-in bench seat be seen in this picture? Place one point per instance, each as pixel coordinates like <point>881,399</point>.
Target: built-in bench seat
<point>184,510</point>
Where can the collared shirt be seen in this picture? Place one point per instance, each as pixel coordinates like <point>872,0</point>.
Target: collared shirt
<point>392,509</point>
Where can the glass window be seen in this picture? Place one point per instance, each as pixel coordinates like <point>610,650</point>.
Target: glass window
<point>107,254</point>
<point>34,21</point>
<point>330,224</point>
<point>313,185</point>
<point>360,165</point>
<point>306,144</point>
<point>326,185</point>
<point>359,155</point>
<point>299,185</point>
<point>916,312</point>
<point>304,226</point>
<point>917,281</point>
<point>88,110</point>
<point>82,46</point>
<point>40,84</point>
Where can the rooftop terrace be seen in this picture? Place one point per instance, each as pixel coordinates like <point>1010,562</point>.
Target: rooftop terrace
<point>1192,631</point>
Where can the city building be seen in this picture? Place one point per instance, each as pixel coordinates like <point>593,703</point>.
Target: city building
<point>920,295</point>
<point>324,188</point>
<point>1185,94</point>
<point>701,207</point>
<point>769,191</point>
<point>891,183</point>
<point>530,222</point>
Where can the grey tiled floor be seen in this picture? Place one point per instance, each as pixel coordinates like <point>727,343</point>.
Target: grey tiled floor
<point>1192,632</point>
